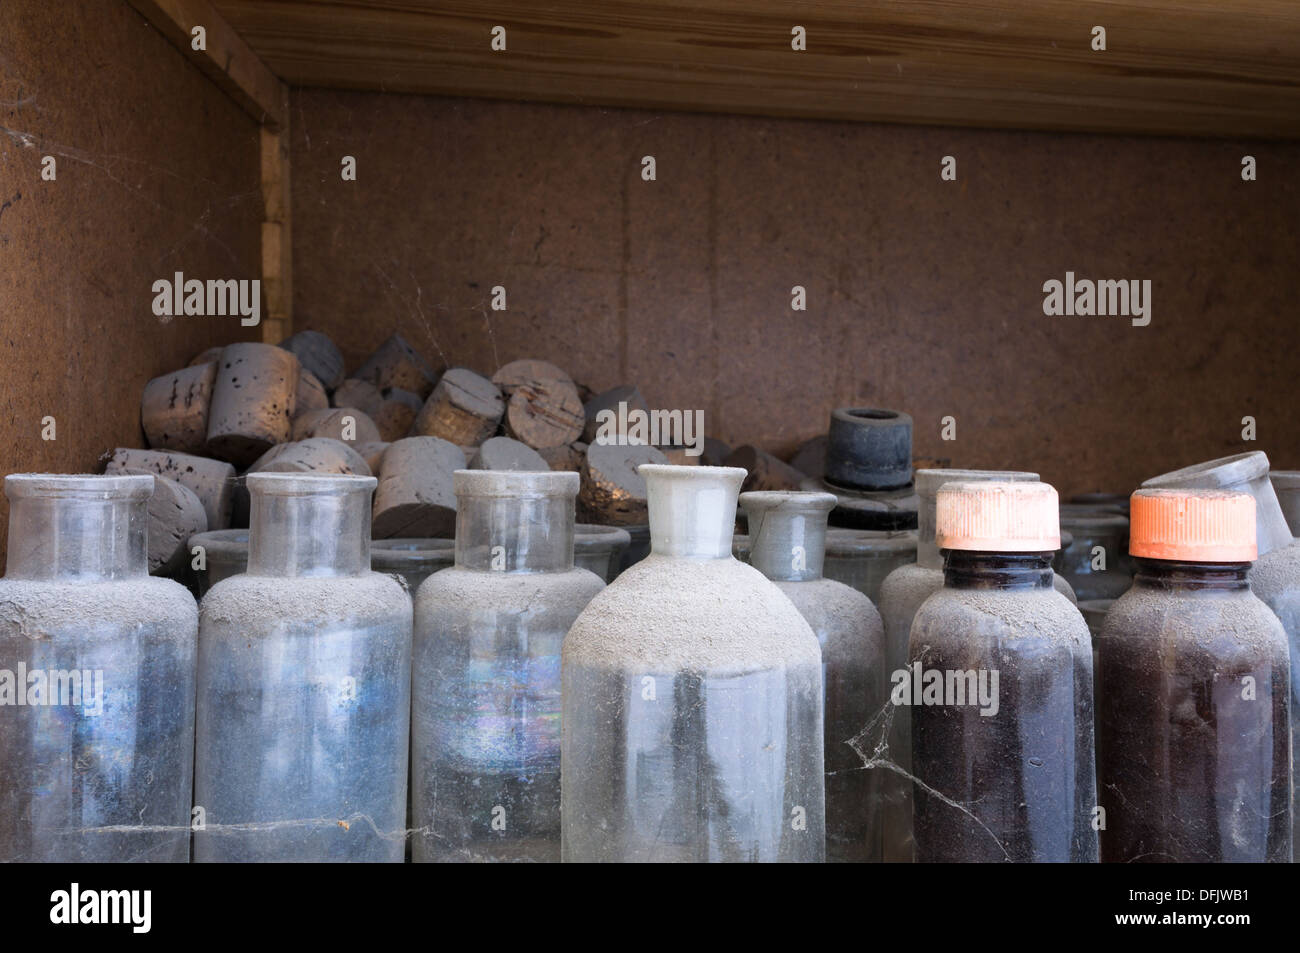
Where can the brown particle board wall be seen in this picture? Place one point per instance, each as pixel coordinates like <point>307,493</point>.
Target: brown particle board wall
<point>157,172</point>
<point>922,295</point>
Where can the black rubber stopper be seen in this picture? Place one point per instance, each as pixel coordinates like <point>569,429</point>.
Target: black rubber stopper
<point>869,449</point>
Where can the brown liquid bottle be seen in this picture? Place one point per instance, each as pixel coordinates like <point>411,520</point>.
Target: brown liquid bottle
<point>1000,687</point>
<point>1193,716</point>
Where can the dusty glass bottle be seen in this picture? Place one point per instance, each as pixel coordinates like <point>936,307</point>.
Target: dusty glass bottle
<point>1193,718</point>
<point>486,717</point>
<point>1000,688</point>
<point>97,662</point>
<point>692,699</point>
<point>901,594</point>
<point>304,685</point>
<point>788,532</point>
<point>1275,575</point>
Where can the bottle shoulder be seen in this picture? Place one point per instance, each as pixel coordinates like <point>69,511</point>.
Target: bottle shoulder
<point>245,599</point>
<point>32,607</point>
<point>845,621</point>
<point>1147,615</point>
<point>1275,576</point>
<point>676,614</point>
<point>1062,585</point>
<point>1043,614</point>
<point>834,604</point>
<point>455,589</point>
<point>907,587</point>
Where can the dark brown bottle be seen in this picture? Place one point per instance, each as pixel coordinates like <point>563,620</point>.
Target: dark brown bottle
<point>1193,715</point>
<point>1002,745</point>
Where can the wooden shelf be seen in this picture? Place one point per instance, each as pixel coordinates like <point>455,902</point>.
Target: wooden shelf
<point>1226,68</point>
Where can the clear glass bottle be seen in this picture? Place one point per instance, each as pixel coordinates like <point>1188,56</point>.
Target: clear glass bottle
<point>1000,688</point>
<point>901,594</point>
<point>1275,576</point>
<point>486,718</point>
<point>304,685</point>
<point>1193,717</point>
<point>97,669</point>
<point>692,699</point>
<point>788,533</point>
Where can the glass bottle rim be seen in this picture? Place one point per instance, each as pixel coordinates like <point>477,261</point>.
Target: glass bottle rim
<point>88,487</point>
<point>1223,472</point>
<point>516,484</point>
<point>928,480</point>
<point>788,501</point>
<point>675,471</point>
<point>315,484</point>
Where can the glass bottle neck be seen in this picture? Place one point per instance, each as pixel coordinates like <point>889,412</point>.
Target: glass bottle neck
<point>1186,577</point>
<point>692,509</point>
<point>788,546</point>
<point>515,533</point>
<point>309,533</point>
<point>971,570</point>
<point>63,538</point>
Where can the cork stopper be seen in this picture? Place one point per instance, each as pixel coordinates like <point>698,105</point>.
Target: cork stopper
<point>998,517</point>
<point>1199,526</point>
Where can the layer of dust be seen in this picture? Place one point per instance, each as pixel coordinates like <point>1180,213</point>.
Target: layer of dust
<point>844,617</point>
<point>1276,572</point>
<point>901,594</point>
<point>41,609</point>
<point>252,601</point>
<point>714,616</point>
<point>1021,612</point>
<point>907,587</point>
<point>1193,618</point>
<point>456,592</point>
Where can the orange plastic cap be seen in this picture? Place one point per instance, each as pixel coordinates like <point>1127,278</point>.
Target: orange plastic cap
<point>998,517</point>
<point>1197,526</point>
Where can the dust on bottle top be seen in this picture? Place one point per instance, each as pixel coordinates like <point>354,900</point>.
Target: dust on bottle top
<point>309,484</point>
<point>1192,525</point>
<point>515,483</point>
<point>998,517</point>
<point>787,501</point>
<point>79,486</point>
<point>929,479</point>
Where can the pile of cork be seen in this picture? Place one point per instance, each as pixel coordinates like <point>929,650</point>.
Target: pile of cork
<point>251,407</point>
